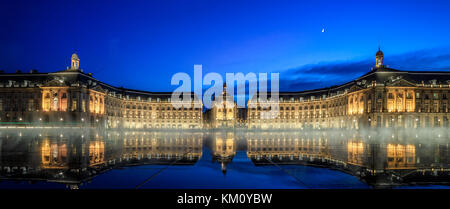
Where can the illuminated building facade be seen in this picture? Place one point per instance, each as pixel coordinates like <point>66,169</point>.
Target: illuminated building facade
<point>223,113</point>
<point>383,97</point>
<point>72,97</point>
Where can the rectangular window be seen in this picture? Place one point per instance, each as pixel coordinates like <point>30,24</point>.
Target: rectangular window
<point>408,95</point>
<point>74,105</point>
<point>379,95</point>
<point>30,105</point>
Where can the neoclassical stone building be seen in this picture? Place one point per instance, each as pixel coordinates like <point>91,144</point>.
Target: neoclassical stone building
<point>223,112</point>
<point>383,97</point>
<point>73,98</point>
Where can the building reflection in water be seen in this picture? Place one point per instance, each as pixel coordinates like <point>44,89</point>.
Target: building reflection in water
<point>285,147</point>
<point>223,148</point>
<point>72,158</point>
<point>378,158</point>
<point>161,148</point>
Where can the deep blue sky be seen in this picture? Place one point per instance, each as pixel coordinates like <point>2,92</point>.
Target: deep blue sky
<point>141,44</point>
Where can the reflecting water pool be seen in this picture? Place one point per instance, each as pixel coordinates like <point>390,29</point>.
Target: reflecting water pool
<point>90,158</point>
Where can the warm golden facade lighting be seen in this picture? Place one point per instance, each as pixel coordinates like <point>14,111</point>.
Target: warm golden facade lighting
<point>383,97</point>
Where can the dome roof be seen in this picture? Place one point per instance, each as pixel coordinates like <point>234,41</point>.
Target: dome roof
<point>75,56</point>
<point>379,53</point>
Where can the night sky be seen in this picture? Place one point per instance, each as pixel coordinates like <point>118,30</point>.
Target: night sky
<point>141,44</point>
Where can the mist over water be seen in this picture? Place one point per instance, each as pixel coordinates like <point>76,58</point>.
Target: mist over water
<point>274,159</point>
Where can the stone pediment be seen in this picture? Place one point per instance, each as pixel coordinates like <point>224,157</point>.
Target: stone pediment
<point>355,88</point>
<point>362,83</point>
<point>400,82</point>
<point>98,88</point>
<point>54,81</point>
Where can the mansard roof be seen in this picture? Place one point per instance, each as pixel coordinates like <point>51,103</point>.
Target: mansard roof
<point>70,78</point>
<point>383,75</point>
